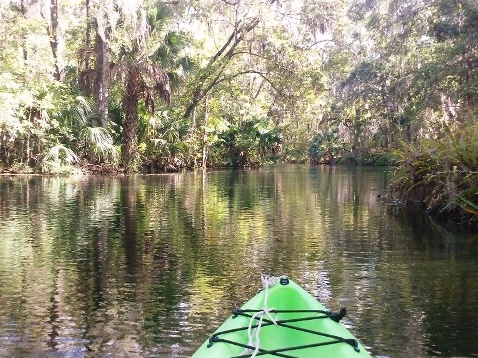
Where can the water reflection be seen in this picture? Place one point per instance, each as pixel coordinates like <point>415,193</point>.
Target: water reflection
<point>147,266</point>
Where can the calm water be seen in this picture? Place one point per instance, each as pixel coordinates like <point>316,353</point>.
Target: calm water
<point>147,266</point>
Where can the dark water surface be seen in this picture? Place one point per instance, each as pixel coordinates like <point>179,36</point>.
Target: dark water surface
<point>147,266</point>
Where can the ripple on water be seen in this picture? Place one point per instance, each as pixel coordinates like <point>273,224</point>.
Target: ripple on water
<point>148,267</point>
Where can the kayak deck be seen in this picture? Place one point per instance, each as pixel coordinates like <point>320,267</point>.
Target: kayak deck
<point>282,321</point>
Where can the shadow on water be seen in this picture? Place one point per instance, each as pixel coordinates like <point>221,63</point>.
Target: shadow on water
<point>445,271</point>
<point>148,266</point>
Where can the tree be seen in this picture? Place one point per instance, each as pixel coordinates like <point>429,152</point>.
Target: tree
<point>26,85</point>
<point>143,79</point>
<point>53,34</point>
<point>102,77</point>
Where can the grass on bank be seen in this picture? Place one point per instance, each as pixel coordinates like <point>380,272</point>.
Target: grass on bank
<point>443,174</point>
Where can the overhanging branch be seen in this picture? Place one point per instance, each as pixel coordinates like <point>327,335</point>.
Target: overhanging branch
<point>225,53</point>
<point>263,75</point>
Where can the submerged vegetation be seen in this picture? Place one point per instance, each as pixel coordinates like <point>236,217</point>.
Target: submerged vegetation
<point>120,85</point>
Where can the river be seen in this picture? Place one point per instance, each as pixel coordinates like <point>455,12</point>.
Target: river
<point>148,266</point>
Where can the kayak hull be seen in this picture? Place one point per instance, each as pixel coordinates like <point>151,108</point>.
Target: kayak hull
<point>297,326</point>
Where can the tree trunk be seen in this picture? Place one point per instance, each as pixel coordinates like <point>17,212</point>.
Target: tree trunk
<point>54,37</point>
<point>130,126</point>
<point>23,10</point>
<point>102,80</point>
<point>85,83</point>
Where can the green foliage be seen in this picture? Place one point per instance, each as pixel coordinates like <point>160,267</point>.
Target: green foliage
<point>99,145</point>
<point>371,158</point>
<point>59,160</point>
<point>442,173</point>
<point>325,147</point>
<point>384,159</point>
<point>248,143</point>
<point>163,142</point>
<point>72,126</point>
<point>150,64</point>
<point>21,168</point>
<point>324,81</point>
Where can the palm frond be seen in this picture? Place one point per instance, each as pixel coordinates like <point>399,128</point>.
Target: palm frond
<point>160,82</point>
<point>176,41</point>
<point>83,111</point>
<point>157,17</point>
<point>169,49</point>
<point>187,64</point>
<point>57,157</point>
<point>100,143</point>
<point>162,56</point>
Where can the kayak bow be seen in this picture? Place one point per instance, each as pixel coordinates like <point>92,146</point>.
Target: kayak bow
<point>283,320</point>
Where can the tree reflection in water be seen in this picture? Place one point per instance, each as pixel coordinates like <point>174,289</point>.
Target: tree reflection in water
<point>148,266</point>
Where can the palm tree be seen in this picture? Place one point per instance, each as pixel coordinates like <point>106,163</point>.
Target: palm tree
<point>144,79</point>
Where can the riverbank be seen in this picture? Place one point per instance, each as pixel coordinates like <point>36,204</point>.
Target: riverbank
<point>444,176</point>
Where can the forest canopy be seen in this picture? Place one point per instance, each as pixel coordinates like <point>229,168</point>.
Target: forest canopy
<point>161,85</point>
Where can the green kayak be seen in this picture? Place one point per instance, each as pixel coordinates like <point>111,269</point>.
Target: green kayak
<point>283,320</point>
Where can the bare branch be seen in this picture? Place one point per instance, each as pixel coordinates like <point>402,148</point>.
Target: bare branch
<point>263,75</point>
<point>225,53</point>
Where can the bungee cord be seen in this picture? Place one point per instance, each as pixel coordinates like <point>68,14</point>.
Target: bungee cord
<point>253,334</point>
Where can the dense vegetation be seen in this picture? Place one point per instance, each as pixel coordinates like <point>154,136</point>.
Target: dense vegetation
<point>153,86</point>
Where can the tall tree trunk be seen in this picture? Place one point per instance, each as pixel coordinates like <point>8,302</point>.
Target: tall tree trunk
<point>86,80</point>
<point>130,125</point>
<point>54,39</point>
<point>102,79</point>
<point>23,10</point>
